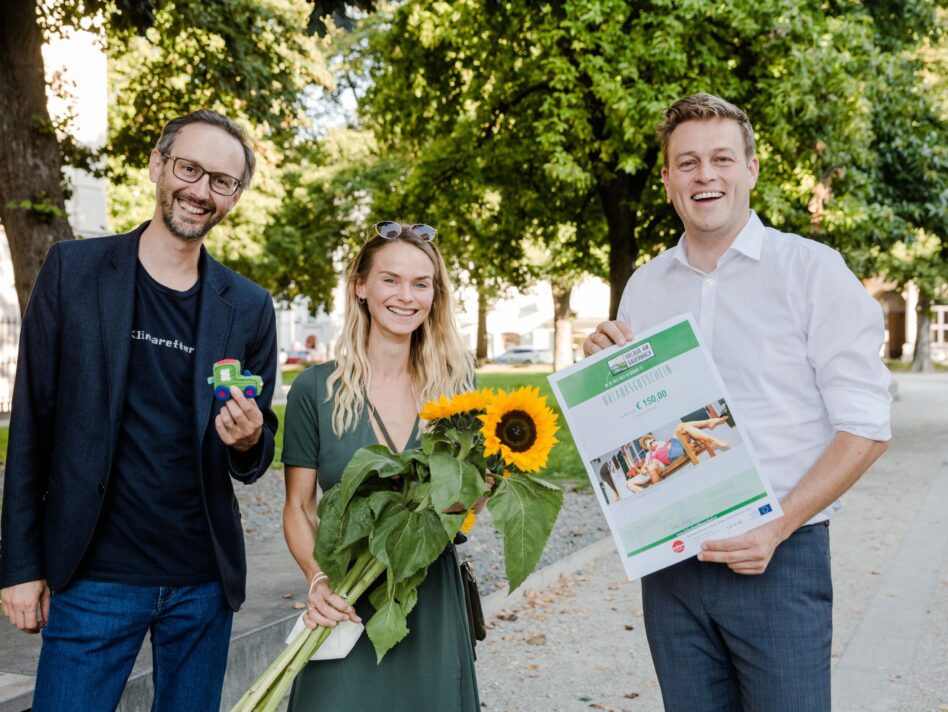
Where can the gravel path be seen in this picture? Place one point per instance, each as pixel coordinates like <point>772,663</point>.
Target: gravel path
<point>580,523</point>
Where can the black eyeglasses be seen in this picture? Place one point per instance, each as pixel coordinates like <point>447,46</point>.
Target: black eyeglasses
<point>392,230</point>
<point>191,172</point>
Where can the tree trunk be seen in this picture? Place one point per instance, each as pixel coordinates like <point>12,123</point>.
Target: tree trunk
<point>922,358</point>
<point>619,194</point>
<point>32,208</point>
<point>562,327</point>
<point>482,305</point>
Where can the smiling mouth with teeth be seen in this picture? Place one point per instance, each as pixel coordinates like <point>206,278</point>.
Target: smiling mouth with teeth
<point>402,312</point>
<point>710,195</point>
<point>191,208</point>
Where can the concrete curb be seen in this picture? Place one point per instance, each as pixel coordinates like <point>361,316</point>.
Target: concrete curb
<point>495,602</point>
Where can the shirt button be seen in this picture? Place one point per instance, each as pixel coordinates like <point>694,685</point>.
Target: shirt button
<point>101,488</point>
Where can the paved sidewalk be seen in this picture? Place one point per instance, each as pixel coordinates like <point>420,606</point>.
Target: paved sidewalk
<point>579,644</point>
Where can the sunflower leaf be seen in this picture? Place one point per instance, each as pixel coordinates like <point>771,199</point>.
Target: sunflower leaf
<point>451,522</point>
<point>419,495</point>
<point>453,480</point>
<point>358,521</point>
<point>333,557</point>
<point>407,541</point>
<point>428,441</point>
<point>523,509</point>
<point>387,626</point>
<point>379,501</point>
<point>376,459</point>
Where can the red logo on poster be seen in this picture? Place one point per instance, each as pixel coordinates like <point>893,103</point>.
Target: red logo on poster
<point>678,546</point>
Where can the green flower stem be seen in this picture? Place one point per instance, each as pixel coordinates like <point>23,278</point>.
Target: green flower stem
<point>355,572</point>
<point>258,689</point>
<point>265,694</point>
<point>315,638</point>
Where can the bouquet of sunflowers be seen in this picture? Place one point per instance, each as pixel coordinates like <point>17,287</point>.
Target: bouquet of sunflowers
<point>388,514</point>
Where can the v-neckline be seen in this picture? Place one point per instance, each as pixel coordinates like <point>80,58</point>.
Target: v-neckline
<point>379,441</point>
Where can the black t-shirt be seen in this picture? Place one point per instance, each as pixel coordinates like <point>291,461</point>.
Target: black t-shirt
<point>153,530</point>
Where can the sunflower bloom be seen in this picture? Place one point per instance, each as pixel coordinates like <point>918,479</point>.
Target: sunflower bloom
<point>521,427</point>
<point>468,523</point>
<point>459,403</point>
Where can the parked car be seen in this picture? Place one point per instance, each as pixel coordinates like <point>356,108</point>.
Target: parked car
<point>524,354</point>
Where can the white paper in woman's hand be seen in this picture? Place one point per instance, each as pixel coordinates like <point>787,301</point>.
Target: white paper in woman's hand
<point>341,640</point>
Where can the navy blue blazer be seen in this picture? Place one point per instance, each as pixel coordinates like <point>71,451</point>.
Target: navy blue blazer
<point>69,395</point>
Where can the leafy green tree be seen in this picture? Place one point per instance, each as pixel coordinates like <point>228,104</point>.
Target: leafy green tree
<point>910,178</point>
<point>246,58</point>
<point>565,96</point>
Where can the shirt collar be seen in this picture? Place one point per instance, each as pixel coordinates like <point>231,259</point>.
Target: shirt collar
<point>749,242</point>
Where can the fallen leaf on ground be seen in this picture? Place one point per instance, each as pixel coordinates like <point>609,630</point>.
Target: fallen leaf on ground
<point>287,595</point>
<point>631,695</point>
<point>537,639</point>
<point>299,606</point>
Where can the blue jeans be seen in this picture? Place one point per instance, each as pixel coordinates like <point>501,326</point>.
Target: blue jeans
<point>724,642</point>
<point>95,632</point>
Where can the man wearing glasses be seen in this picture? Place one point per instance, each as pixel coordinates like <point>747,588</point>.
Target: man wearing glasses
<point>119,514</point>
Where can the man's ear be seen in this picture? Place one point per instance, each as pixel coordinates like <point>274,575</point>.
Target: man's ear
<point>665,183</point>
<point>155,163</point>
<point>754,168</point>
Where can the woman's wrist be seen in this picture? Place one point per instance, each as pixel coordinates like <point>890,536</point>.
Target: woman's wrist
<point>317,577</point>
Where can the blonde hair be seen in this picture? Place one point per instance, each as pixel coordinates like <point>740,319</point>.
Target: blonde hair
<point>438,361</point>
<point>704,107</point>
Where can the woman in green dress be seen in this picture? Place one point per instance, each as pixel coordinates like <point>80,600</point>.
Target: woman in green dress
<point>399,348</point>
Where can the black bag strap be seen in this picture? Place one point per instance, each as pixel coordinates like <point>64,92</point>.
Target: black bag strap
<point>378,422</point>
<point>382,429</point>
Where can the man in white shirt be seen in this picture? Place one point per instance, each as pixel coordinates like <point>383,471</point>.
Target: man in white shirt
<point>748,623</point>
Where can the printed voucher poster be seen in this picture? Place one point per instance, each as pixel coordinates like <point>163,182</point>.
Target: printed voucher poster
<point>663,446</point>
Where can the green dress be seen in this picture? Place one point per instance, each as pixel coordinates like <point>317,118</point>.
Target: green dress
<point>432,669</point>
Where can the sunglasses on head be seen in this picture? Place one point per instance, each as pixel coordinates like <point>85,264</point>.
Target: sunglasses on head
<point>392,230</point>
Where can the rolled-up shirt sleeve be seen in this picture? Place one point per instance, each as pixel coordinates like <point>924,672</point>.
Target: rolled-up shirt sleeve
<point>844,340</point>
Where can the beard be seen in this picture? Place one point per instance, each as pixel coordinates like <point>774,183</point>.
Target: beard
<point>195,228</point>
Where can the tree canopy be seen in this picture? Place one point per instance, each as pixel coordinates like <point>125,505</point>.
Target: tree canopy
<point>249,59</point>
<point>551,108</point>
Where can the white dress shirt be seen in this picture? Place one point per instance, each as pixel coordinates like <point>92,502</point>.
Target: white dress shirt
<point>793,332</point>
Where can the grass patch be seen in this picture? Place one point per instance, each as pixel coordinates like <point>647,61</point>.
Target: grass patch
<point>280,411</point>
<point>903,366</point>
